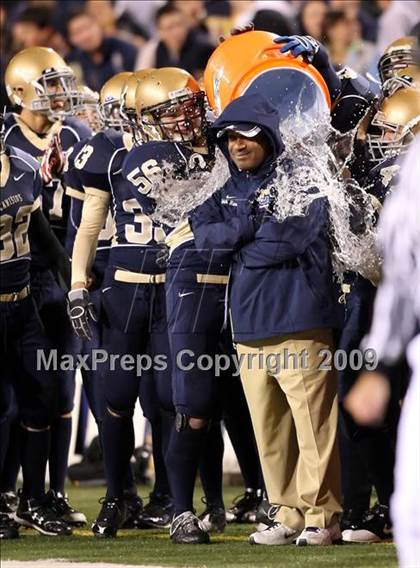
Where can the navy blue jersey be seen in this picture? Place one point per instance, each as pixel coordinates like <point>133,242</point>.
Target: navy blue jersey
<point>383,178</point>
<point>19,196</point>
<point>100,165</point>
<point>75,189</point>
<point>168,160</point>
<point>55,204</point>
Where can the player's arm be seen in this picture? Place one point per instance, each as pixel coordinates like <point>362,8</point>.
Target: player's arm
<point>316,54</point>
<point>40,232</point>
<point>94,213</point>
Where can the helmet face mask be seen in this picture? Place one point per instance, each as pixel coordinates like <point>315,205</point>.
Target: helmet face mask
<point>401,54</point>
<point>181,119</point>
<point>87,109</point>
<point>387,139</point>
<point>111,115</point>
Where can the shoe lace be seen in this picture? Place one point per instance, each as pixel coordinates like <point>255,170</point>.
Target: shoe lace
<point>45,514</point>
<point>243,497</point>
<point>185,519</point>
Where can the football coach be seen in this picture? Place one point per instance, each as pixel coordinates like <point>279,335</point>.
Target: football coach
<point>283,307</point>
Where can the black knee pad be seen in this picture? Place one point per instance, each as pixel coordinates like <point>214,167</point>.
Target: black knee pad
<point>182,421</point>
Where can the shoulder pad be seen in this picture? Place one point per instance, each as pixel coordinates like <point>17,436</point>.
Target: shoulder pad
<point>22,160</point>
<point>163,153</point>
<point>81,130</point>
<point>98,152</point>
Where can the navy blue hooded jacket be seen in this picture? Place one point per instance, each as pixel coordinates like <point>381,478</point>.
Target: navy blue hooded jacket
<point>281,278</point>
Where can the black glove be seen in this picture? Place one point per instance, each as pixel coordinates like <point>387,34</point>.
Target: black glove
<point>81,310</point>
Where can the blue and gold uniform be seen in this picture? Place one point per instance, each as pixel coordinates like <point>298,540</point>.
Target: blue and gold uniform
<point>133,299</point>
<point>23,337</point>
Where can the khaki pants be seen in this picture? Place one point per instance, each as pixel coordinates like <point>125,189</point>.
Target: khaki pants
<point>294,414</point>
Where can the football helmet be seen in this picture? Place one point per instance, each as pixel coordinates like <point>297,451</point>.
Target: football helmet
<point>400,54</point>
<point>251,62</point>
<point>170,106</point>
<point>394,125</point>
<point>406,77</point>
<point>87,108</point>
<point>110,100</point>
<point>128,98</point>
<point>38,79</point>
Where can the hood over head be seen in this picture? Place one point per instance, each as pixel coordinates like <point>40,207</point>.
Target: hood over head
<point>249,115</point>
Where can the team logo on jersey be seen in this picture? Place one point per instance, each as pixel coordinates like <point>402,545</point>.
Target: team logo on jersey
<point>196,160</point>
<point>388,173</point>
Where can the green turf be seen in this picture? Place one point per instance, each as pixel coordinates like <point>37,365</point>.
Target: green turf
<point>153,547</point>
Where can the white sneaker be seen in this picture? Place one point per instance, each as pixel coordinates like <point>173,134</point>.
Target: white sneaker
<point>318,536</point>
<point>276,534</point>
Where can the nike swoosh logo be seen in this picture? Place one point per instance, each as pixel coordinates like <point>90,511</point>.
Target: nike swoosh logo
<point>184,294</point>
<point>18,177</point>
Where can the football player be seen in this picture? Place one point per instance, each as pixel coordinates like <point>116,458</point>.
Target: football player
<point>133,306</point>
<point>43,86</point>
<point>23,338</point>
<point>92,380</point>
<point>368,456</point>
<point>170,107</point>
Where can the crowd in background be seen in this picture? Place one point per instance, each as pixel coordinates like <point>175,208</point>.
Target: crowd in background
<point>102,37</point>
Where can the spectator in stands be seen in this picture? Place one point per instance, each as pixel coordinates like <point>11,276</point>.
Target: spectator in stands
<point>311,17</point>
<point>341,35</point>
<point>35,26</point>
<point>355,11</point>
<point>113,23</point>
<point>96,58</point>
<point>176,46</point>
<point>397,19</point>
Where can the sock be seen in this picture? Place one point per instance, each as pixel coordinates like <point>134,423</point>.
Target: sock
<point>182,459</point>
<point>59,452</point>
<point>34,456</point>
<point>118,447</point>
<point>161,485</point>
<point>129,483</point>
<point>211,466</point>
<point>11,465</point>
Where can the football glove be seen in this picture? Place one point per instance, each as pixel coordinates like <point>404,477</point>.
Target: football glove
<point>81,311</point>
<point>53,160</point>
<point>306,46</point>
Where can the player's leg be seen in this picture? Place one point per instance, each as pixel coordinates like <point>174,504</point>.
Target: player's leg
<point>37,399</point>
<point>11,466</point>
<point>8,529</point>
<point>51,301</point>
<point>194,326</point>
<point>156,402</point>
<point>123,315</point>
<point>239,428</point>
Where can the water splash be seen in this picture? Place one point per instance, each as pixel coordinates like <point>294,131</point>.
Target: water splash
<point>176,194</point>
<point>310,163</point>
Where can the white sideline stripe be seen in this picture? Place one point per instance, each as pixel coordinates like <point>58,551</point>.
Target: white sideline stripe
<point>67,564</point>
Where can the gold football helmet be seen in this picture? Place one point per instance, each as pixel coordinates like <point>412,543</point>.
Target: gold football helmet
<point>128,98</point>
<point>394,125</point>
<point>38,79</point>
<point>110,100</point>
<point>170,106</point>
<point>407,77</point>
<point>400,54</point>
